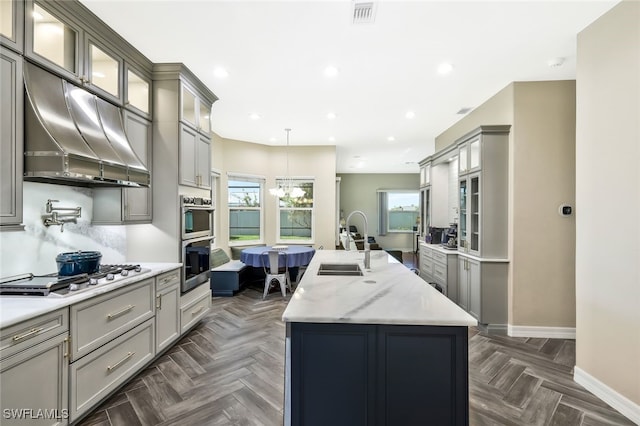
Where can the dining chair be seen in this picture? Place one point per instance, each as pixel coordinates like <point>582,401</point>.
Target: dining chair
<point>273,272</point>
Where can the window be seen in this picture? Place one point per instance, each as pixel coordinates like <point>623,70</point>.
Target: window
<point>398,211</point>
<point>295,215</point>
<point>245,209</point>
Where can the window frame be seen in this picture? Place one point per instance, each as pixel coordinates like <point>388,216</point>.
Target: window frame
<point>312,209</point>
<point>384,211</point>
<point>238,177</point>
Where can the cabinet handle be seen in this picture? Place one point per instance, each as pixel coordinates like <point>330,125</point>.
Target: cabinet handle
<point>110,368</point>
<point>27,335</point>
<point>67,343</point>
<point>120,312</point>
<point>197,311</point>
<point>159,301</point>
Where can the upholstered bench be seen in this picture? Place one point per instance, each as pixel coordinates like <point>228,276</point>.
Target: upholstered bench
<point>227,276</point>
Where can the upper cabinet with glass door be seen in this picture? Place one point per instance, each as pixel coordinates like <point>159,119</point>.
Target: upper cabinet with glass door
<point>469,156</point>
<point>67,39</point>
<point>103,70</point>
<point>53,40</point>
<point>195,111</point>
<point>425,172</point>
<point>11,24</point>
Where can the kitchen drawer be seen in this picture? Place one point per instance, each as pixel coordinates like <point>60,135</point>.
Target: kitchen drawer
<point>439,257</point>
<point>426,251</point>
<point>440,273</point>
<point>194,311</point>
<point>103,370</point>
<point>167,279</point>
<point>31,332</point>
<point>96,321</point>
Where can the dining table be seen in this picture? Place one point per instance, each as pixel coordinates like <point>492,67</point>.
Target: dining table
<point>296,256</point>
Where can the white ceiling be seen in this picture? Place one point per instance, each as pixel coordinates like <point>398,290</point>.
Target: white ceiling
<point>276,52</point>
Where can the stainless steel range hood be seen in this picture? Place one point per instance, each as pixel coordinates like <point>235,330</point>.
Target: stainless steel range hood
<point>73,137</point>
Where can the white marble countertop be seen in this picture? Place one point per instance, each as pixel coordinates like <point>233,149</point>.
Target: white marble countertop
<point>14,309</point>
<point>388,293</point>
<point>438,247</point>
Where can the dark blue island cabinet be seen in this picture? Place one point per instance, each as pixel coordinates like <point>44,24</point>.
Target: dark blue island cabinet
<point>382,375</point>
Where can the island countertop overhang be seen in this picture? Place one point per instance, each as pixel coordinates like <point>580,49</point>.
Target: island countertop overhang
<point>387,293</point>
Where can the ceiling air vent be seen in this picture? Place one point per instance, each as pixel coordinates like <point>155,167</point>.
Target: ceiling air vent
<point>363,12</point>
<point>464,110</point>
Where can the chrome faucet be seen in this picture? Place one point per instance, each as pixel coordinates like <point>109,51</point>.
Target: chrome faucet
<point>60,215</point>
<point>367,251</point>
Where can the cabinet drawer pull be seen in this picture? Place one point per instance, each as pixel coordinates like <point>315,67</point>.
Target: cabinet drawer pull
<point>27,335</point>
<point>159,301</point>
<point>197,311</point>
<point>120,312</point>
<point>110,368</point>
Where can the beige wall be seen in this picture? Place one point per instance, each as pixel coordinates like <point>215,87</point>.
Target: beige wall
<point>319,162</point>
<point>608,201</point>
<point>358,192</point>
<point>541,177</point>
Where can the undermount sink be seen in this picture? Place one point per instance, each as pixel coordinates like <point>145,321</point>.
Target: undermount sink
<point>350,269</point>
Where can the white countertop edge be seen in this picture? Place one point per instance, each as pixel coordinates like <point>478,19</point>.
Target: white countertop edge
<point>484,259</point>
<point>386,321</point>
<point>15,309</point>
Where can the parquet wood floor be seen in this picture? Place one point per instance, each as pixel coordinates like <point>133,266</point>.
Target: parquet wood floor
<point>229,371</point>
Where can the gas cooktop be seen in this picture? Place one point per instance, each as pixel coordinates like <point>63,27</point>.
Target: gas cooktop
<point>54,285</point>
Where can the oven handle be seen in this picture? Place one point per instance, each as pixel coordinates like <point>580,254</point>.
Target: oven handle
<point>196,240</point>
<point>206,208</point>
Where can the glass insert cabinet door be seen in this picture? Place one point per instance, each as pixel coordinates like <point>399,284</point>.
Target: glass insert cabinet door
<point>104,71</point>
<point>137,92</point>
<point>205,118</point>
<point>474,210</point>
<point>6,19</point>
<point>188,106</point>
<point>474,154</point>
<point>54,40</point>
<point>462,238</point>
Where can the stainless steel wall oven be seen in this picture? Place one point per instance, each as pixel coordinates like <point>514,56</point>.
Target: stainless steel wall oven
<point>197,239</point>
<point>197,217</point>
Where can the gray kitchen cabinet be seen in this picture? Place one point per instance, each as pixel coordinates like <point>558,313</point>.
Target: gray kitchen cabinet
<point>11,139</point>
<point>137,87</point>
<point>483,191</point>
<point>34,384</point>
<point>194,305</point>
<point>195,140</point>
<point>96,375</point>
<point>34,368</point>
<point>128,205</point>
<point>438,267</point>
<point>11,25</point>
<point>182,109</point>
<point>188,155</point>
<point>482,291</point>
<point>425,172</point>
<point>167,309</point>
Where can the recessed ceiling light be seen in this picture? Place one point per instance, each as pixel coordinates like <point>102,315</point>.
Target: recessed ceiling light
<point>331,71</point>
<point>272,139</point>
<point>220,72</point>
<point>332,139</point>
<point>391,139</point>
<point>445,68</point>
<point>331,115</point>
<point>410,114</point>
<point>254,116</point>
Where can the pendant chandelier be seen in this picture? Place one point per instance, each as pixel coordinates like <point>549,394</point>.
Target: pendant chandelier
<point>286,188</point>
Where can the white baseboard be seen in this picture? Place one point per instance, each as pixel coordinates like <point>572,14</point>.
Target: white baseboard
<point>541,332</point>
<point>621,403</point>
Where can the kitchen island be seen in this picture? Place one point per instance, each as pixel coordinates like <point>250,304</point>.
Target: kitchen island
<point>383,348</point>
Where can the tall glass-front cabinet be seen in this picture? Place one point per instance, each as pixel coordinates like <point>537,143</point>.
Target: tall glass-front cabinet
<point>483,184</point>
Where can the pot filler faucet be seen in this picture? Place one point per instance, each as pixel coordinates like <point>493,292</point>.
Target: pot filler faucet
<point>367,251</point>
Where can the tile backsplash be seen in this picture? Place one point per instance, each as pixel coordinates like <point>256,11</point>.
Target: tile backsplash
<point>35,249</point>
